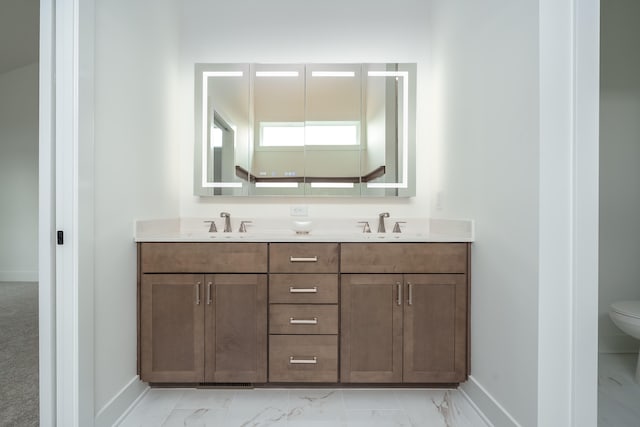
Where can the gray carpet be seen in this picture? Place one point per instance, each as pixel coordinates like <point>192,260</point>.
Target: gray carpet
<point>18,354</point>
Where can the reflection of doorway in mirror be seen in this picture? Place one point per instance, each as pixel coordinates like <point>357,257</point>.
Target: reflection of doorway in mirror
<point>221,156</point>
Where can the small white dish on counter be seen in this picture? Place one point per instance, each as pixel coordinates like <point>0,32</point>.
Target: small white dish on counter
<point>302,227</point>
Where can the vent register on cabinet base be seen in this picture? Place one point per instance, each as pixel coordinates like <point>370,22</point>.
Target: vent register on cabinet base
<point>297,313</point>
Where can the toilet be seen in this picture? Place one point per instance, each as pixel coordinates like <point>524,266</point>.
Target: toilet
<point>626,316</point>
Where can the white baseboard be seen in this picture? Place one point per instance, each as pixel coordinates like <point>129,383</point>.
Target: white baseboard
<point>18,276</point>
<point>475,408</point>
<point>121,404</point>
<point>486,405</point>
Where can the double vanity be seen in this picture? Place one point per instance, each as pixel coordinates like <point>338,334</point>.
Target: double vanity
<point>265,308</point>
<point>339,305</point>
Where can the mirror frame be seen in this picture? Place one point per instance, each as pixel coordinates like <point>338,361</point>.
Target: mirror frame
<point>405,185</point>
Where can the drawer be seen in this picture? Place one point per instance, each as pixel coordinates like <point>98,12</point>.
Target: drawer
<point>191,257</point>
<point>303,288</point>
<point>303,319</point>
<point>303,358</point>
<point>403,258</point>
<point>303,258</point>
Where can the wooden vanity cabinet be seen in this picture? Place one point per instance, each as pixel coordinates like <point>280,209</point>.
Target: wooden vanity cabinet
<point>387,313</point>
<point>303,312</point>
<point>371,329</point>
<point>408,322</point>
<point>171,328</point>
<point>236,328</point>
<point>196,326</point>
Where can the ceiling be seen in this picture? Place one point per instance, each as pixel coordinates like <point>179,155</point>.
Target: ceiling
<point>19,25</point>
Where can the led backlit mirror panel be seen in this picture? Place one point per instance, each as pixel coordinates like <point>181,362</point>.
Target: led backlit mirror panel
<point>305,130</point>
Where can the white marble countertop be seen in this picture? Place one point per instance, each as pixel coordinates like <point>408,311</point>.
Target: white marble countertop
<point>322,230</point>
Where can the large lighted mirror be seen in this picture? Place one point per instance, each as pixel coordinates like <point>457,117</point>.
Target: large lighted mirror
<point>305,129</point>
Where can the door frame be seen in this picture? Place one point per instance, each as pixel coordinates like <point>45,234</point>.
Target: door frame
<point>568,213</point>
<point>46,219</point>
<point>66,204</point>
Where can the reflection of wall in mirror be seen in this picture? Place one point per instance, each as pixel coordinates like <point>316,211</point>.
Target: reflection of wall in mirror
<point>334,99</point>
<point>333,163</point>
<point>374,154</point>
<point>277,100</point>
<point>278,162</point>
<point>318,100</point>
<point>229,98</point>
<point>315,163</point>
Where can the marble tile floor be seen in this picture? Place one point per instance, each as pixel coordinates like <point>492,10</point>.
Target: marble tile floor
<point>618,391</point>
<point>303,407</point>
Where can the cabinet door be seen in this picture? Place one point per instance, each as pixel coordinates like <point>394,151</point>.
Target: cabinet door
<point>236,328</point>
<point>172,328</point>
<point>435,328</point>
<point>371,328</point>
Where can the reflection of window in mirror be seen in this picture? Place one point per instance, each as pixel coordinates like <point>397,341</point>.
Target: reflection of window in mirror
<point>298,134</point>
<point>281,134</point>
<point>332,133</point>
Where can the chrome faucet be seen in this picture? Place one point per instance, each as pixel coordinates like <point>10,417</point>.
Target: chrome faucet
<point>382,216</point>
<point>212,227</point>
<point>243,226</point>
<point>227,221</point>
<point>365,226</point>
<point>396,228</point>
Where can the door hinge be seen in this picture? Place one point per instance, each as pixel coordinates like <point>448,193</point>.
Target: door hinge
<point>60,235</point>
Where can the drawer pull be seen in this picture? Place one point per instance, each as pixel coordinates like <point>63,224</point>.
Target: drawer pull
<point>293,290</point>
<point>303,259</point>
<point>294,361</point>
<point>294,321</point>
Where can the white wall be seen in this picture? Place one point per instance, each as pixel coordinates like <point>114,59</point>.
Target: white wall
<point>19,174</point>
<point>620,166</point>
<point>283,31</point>
<point>484,162</point>
<point>136,172</point>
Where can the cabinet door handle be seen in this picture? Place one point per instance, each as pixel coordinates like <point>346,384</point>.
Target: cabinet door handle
<point>410,297</point>
<point>209,300</point>
<point>303,259</point>
<point>198,293</point>
<point>294,321</point>
<point>399,288</point>
<point>295,361</point>
<point>293,290</point>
